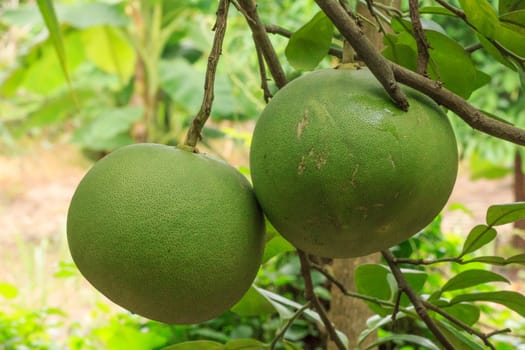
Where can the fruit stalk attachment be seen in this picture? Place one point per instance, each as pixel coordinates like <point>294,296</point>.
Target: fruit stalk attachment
<point>194,132</point>
<point>365,49</point>
<point>249,9</point>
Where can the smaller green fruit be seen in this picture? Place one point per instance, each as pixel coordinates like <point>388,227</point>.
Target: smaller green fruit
<point>171,235</point>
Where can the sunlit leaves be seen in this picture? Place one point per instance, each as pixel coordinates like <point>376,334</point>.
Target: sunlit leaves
<point>109,49</point>
<point>501,214</point>
<point>478,237</point>
<point>253,304</point>
<point>378,282</point>
<point>481,15</point>
<point>447,57</point>
<point>512,300</point>
<point>310,43</point>
<point>50,19</point>
<point>404,338</point>
<point>458,339</point>
<point>470,278</point>
<point>8,290</point>
<point>109,130</point>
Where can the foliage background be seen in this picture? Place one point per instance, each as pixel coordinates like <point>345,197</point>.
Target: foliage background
<point>116,100</point>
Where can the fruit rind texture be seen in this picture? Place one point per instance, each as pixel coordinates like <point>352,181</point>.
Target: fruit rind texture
<point>170,235</point>
<point>341,172</point>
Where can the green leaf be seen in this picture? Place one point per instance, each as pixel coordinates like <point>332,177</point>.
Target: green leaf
<point>8,290</point>
<point>493,260</point>
<point>510,5</point>
<point>253,304</point>
<point>275,246</point>
<point>280,300</point>
<point>501,214</point>
<point>108,48</point>
<point>436,10</point>
<point>514,20</point>
<point>457,338</point>
<point>482,168</point>
<point>405,338</point>
<point>196,345</point>
<point>50,19</point>
<point>281,304</point>
<point>481,15</point>
<point>291,346</point>
<point>88,14</point>
<point>310,43</point>
<point>109,130</point>
<point>245,344</point>
<point>512,300</point>
<point>467,313</point>
<point>516,259</point>
<point>446,57</point>
<point>479,236</point>
<point>372,280</point>
<point>374,323</point>
<point>494,52</point>
<point>470,278</point>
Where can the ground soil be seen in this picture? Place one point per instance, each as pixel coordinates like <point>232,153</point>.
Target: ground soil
<point>37,183</point>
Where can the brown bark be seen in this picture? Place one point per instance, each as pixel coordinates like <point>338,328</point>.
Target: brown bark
<point>349,314</point>
<point>519,196</point>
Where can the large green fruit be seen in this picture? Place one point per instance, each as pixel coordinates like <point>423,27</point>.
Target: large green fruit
<point>340,171</point>
<point>168,234</point>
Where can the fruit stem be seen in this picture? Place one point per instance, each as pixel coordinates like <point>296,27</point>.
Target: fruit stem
<point>194,132</point>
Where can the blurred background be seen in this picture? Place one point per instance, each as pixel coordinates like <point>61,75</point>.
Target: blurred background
<point>136,74</point>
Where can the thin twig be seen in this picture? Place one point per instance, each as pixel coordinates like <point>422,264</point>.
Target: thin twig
<point>262,72</point>
<point>316,303</point>
<point>483,336</point>
<point>348,293</point>
<point>288,324</point>
<point>453,9</point>
<point>194,132</point>
<point>474,47</point>
<point>249,10</point>
<point>365,49</point>
<point>421,40</point>
<point>426,261</point>
<point>397,304</point>
<point>415,300</point>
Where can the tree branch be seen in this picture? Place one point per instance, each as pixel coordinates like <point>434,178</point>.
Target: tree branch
<point>470,114</point>
<point>415,300</point>
<point>483,336</point>
<point>316,303</point>
<point>288,324</point>
<point>249,10</point>
<point>453,9</point>
<point>421,40</point>
<point>365,49</point>
<point>194,132</point>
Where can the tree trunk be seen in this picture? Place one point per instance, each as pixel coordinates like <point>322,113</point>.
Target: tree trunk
<point>519,185</point>
<point>519,196</point>
<point>349,314</point>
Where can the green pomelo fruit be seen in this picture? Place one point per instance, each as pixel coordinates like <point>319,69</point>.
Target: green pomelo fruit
<point>341,172</point>
<point>170,235</point>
